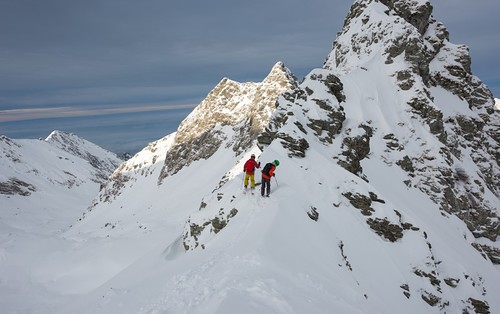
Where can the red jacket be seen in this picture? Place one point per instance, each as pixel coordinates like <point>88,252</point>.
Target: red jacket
<point>250,166</point>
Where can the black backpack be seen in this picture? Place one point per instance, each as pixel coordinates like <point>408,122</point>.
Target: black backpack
<point>267,168</point>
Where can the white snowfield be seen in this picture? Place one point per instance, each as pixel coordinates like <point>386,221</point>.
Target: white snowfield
<point>197,243</point>
<point>53,182</point>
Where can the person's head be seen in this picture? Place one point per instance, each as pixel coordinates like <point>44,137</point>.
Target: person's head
<point>253,156</point>
<point>276,163</point>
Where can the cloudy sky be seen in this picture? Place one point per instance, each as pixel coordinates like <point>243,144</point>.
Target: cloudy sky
<point>122,73</point>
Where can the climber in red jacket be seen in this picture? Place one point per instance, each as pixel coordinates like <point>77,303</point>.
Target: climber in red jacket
<point>249,169</point>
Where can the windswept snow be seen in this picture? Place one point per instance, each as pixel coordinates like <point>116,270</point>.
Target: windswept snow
<point>272,258</point>
<point>384,200</point>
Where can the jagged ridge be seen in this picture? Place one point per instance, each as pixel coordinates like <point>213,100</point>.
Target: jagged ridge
<point>232,114</point>
<point>435,120</point>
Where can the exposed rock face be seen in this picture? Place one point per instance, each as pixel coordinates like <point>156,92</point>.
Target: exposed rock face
<point>324,119</point>
<point>196,230</point>
<point>15,186</point>
<point>406,31</point>
<point>243,108</point>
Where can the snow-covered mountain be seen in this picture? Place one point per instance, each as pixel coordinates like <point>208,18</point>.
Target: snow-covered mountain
<point>386,199</point>
<point>44,187</point>
<point>39,173</point>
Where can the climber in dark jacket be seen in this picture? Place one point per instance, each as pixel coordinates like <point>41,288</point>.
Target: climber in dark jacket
<point>267,173</point>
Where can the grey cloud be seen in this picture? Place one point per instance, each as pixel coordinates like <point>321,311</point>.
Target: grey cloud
<point>124,52</point>
<point>64,44</point>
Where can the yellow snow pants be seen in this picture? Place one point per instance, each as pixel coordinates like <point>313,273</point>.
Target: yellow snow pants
<point>252,180</point>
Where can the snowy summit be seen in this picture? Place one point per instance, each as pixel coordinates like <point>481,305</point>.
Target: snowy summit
<point>386,198</point>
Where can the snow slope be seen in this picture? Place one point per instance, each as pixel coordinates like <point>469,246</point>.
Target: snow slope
<point>45,185</point>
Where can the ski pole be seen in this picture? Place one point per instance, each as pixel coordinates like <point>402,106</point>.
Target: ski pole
<point>276,181</point>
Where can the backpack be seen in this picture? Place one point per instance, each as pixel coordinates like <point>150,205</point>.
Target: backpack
<point>267,168</point>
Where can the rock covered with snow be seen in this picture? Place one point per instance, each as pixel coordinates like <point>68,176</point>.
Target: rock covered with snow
<point>397,107</point>
<point>148,162</point>
<point>103,161</point>
<point>56,160</point>
<point>50,181</point>
<point>435,85</point>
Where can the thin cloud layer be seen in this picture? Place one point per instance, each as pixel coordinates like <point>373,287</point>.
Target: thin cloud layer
<point>10,115</point>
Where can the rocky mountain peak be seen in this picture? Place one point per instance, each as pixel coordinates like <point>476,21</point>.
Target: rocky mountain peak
<point>243,108</point>
<point>280,75</point>
<point>230,101</point>
<point>390,31</point>
<point>389,28</point>
<point>397,48</point>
